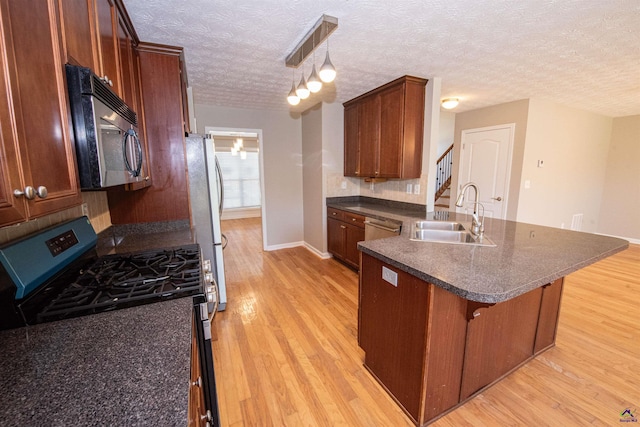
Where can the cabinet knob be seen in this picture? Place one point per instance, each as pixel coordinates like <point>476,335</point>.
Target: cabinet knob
<point>42,191</point>
<point>207,416</point>
<point>353,219</point>
<point>198,382</point>
<point>342,226</point>
<point>29,192</point>
<point>334,213</point>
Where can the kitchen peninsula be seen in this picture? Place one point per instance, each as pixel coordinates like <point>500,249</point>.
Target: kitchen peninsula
<point>441,322</point>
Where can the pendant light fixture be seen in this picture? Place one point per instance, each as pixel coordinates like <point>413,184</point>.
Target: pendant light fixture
<point>293,98</point>
<point>302,90</point>
<point>327,71</point>
<point>309,43</point>
<point>314,83</point>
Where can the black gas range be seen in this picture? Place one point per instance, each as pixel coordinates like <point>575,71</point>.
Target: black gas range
<point>56,274</point>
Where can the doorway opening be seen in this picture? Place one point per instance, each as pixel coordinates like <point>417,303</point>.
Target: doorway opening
<point>239,152</point>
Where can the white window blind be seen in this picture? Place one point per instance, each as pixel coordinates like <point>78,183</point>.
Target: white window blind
<point>241,180</point>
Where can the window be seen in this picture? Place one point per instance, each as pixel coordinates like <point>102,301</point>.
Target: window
<point>241,180</point>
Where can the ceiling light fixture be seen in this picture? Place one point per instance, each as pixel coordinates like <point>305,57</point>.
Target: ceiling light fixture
<point>293,98</point>
<point>327,71</point>
<point>314,38</point>
<point>314,83</point>
<point>449,103</point>
<point>302,90</point>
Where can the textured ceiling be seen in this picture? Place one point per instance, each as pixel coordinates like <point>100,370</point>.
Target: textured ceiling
<point>584,53</point>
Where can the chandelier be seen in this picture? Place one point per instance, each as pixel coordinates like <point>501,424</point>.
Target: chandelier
<point>314,38</point>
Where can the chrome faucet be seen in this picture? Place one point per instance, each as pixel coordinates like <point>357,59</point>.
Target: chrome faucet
<point>477,226</point>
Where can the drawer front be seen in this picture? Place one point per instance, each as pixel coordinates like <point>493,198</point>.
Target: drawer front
<point>355,219</point>
<point>335,214</point>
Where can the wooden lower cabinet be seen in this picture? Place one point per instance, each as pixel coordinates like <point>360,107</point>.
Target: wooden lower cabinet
<point>344,231</point>
<point>433,350</point>
<point>196,396</point>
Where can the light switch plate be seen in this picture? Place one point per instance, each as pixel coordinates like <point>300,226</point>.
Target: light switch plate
<point>390,276</point>
<point>416,189</point>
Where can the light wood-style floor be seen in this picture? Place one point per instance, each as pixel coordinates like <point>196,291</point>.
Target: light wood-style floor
<point>286,349</point>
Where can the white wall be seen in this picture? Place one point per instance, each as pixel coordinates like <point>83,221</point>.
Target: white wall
<point>446,131</point>
<point>312,178</point>
<point>510,112</point>
<point>620,207</point>
<point>282,154</point>
<point>573,145</point>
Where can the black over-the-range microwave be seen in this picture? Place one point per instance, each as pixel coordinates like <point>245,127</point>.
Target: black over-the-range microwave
<point>108,149</point>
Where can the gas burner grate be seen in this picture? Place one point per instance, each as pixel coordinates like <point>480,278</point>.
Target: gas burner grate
<point>119,281</point>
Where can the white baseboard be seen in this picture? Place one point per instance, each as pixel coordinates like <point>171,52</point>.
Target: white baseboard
<point>241,213</point>
<point>322,255</point>
<point>633,241</point>
<point>284,246</point>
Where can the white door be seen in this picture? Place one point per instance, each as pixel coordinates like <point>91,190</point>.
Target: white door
<point>486,160</point>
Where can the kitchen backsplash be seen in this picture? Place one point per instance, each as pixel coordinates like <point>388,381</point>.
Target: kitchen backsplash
<point>98,214</point>
<point>393,189</point>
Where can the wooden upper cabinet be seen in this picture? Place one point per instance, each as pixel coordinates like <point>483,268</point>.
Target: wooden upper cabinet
<point>77,19</point>
<point>387,131</point>
<point>369,136</point>
<point>351,140</point>
<point>125,50</point>
<point>38,121</point>
<point>109,62</point>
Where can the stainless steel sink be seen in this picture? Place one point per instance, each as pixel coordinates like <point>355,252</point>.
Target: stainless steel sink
<point>439,225</point>
<point>446,232</point>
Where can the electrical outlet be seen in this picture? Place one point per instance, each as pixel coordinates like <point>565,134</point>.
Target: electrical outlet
<point>85,210</point>
<point>390,276</point>
<point>343,185</point>
<point>527,184</point>
<point>416,189</point>
<point>409,189</point>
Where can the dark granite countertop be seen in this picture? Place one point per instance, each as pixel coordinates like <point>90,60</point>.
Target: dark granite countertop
<point>125,367</point>
<point>144,236</point>
<point>526,257</point>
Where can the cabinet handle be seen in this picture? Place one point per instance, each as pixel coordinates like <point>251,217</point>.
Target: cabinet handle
<point>42,192</point>
<point>29,192</point>
<point>207,416</point>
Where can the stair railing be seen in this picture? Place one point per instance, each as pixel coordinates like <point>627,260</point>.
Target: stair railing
<point>443,174</point>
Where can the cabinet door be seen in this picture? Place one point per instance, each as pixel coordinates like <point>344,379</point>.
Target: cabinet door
<point>125,50</point>
<point>108,43</point>
<point>77,21</point>
<point>351,140</point>
<point>369,138</point>
<point>353,235</point>
<point>392,330</point>
<point>12,209</point>
<point>391,120</point>
<point>40,104</point>
<point>335,237</point>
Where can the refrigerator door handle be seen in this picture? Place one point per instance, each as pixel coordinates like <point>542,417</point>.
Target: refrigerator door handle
<point>220,184</point>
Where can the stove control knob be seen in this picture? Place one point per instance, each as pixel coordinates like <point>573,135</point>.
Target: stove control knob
<point>206,266</point>
<point>208,278</point>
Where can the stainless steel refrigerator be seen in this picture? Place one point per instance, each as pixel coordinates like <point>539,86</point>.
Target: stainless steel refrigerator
<point>206,193</point>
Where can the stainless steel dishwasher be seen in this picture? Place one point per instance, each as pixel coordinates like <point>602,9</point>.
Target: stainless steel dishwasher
<point>380,228</point>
